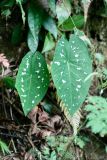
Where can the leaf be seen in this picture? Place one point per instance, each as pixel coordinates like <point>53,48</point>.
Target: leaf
<point>48,44</point>
<point>34,22</point>
<point>53,156</point>
<point>71,65</point>
<point>106,148</point>
<point>52,6</point>
<point>79,142</point>
<point>32,43</point>
<point>86,5</point>
<point>4,147</point>
<point>7,3</point>
<point>73,120</point>
<point>32,80</point>
<point>9,82</point>
<point>49,24</point>
<point>63,10</point>
<point>6,13</point>
<point>82,36</point>
<point>97,112</point>
<point>68,25</point>
<point>16,34</point>
<point>4,61</point>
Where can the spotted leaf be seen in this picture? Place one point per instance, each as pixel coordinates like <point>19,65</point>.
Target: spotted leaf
<point>71,65</point>
<point>32,80</point>
<point>34,23</point>
<point>32,42</point>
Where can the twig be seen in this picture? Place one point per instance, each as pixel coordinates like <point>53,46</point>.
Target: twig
<point>13,105</point>
<point>3,103</point>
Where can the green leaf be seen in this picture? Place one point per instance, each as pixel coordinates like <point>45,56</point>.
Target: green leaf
<point>106,148</point>
<point>7,3</point>
<point>49,43</point>
<point>68,25</point>
<point>34,22</point>
<point>6,12</point>
<point>82,36</point>
<point>97,112</point>
<point>16,34</point>
<point>49,24</point>
<point>4,147</point>
<point>32,43</point>
<point>71,65</point>
<point>53,156</point>
<point>79,142</point>
<point>52,6</point>
<point>9,82</point>
<point>32,80</point>
<point>63,10</point>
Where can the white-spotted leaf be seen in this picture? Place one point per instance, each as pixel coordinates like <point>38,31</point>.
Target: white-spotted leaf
<point>32,80</point>
<point>71,65</point>
<point>34,23</point>
<point>32,42</point>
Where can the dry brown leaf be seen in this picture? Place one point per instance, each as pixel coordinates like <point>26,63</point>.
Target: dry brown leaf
<point>4,61</point>
<point>86,5</point>
<point>28,156</point>
<point>16,158</point>
<point>42,116</point>
<point>32,114</point>
<point>38,112</point>
<point>46,133</point>
<point>42,124</point>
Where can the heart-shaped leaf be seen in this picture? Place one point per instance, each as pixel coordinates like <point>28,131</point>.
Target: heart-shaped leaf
<point>70,67</point>
<point>32,80</point>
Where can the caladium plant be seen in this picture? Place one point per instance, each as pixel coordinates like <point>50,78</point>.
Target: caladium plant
<point>70,68</point>
<point>71,63</point>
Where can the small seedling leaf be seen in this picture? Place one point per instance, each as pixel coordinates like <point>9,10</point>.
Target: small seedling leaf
<point>48,43</point>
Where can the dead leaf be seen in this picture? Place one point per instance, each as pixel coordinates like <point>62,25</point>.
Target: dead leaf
<point>86,5</point>
<point>42,124</point>
<point>4,61</point>
<point>28,156</point>
<point>42,116</point>
<point>33,114</point>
